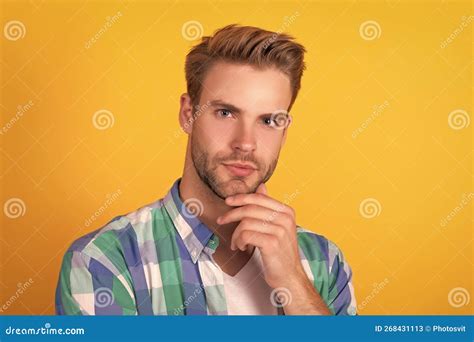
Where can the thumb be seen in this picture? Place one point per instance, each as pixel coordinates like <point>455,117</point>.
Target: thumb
<point>261,189</point>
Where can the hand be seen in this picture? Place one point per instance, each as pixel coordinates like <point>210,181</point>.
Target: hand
<point>269,225</point>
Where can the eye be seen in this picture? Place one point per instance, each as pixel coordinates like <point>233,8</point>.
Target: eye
<point>274,122</point>
<point>268,121</point>
<point>224,113</point>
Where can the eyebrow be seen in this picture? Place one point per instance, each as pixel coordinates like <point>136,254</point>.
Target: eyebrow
<point>231,107</point>
<point>220,103</point>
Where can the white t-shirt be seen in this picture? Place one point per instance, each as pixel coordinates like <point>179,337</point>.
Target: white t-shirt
<point>247,293</point>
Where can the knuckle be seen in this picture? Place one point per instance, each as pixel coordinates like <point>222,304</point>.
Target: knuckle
<point>246,235</point>
<point>289,210</point>
<point>272,242</point>
<point>280,232</point>
<point>246,222</point>
<point>287,220</point>
<point>252,207</point>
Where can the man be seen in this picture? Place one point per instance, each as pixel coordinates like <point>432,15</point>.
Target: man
<point>217,243</point>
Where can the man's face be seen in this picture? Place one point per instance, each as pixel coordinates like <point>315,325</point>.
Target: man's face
<point>235,125</point>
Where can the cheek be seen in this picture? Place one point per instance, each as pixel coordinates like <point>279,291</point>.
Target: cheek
<point>268,149</point>
<point>213,130</point>
<point>221,130</point>
<point>270,143</point>
<point>209,138</point>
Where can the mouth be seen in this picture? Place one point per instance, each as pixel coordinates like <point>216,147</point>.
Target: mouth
<point>240,170</point>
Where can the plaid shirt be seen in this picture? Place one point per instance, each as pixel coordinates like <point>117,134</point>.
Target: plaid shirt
<point>157,261</point>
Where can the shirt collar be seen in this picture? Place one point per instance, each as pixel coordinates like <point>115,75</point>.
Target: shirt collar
<point>196,235</point>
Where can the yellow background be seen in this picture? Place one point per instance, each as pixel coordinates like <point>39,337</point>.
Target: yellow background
<point>408,157</point>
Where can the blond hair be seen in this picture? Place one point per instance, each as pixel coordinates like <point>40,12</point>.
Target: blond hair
<point>245,45</point>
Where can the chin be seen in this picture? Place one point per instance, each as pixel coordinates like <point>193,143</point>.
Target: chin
<point>237,186</point>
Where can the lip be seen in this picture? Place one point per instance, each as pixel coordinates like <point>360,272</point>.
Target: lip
<point>242,166</point>
<point>241,170</point>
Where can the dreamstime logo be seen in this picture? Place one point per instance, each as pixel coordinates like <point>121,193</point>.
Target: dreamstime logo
<point>110,198</point>
<point>14,30</point>
<point>14,208</point>
<point>465,21</point>
<point>103,297</point>
<point>288,198</point>
<point>103,119</point>
<point>46,330</point>
<point>199,110</point>
<point>287,21</point>
<point>377,288</point>
<point>192,30</point>
<point>458,297</point>
<point>22,287</point>
<point>188,301</point>
<point>466,198</point>
<point>280,297</point>
<point>370,30</point>
<point>377,111</point>
<point>192,207</point>
<point>281,118</point>
<point>109,21</point>
<point>21,110</point>
<point>370,208</point>
<point>458,119</point>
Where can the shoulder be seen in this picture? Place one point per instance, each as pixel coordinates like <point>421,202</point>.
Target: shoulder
<point>118,234</point>
<point>316,247</point>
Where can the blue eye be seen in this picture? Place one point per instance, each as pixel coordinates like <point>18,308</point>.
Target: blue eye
<point>225,113</point>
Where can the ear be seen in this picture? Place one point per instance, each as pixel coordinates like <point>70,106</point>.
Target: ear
<point>186,118</point>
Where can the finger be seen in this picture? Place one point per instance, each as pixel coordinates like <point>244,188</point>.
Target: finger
<point>254,225</point>
<point>259,199</point>
<point>265,242</point>
<point>261,189</point>
<point>254,211</point>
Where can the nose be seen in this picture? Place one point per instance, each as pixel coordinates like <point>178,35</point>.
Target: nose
<point>244,138</point>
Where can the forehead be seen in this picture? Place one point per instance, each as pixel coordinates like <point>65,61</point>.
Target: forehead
<point>248,88</point>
